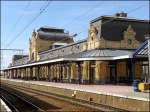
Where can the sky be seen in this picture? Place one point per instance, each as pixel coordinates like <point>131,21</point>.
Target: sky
<point>73,16</point>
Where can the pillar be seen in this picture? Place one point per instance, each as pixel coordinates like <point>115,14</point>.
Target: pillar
<point>40,72</point>
<point>51,73</point>
<point>35,73</point>
<point>69,72</point>
<point>79,72</point>
<point>86,71</point>
<point>73,73</point>
<point>31,73</point>
<point>47,72</point>
<point>64,73</point>
<point>14,73</point>
<point>28,73</point>
<point>24,73</point>
<point>55,73</point>
<point>101,76</point>
<point>43,72</point>
<point>21,73</point>
<point>122,72</point>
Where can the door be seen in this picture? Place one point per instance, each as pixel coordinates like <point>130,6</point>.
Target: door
<point>113,73</point>
<point>92,75</point>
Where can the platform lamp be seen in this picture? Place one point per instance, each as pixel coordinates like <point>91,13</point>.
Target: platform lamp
<point>148,39</point>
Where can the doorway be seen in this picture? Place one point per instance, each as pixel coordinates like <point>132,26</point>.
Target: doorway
<point>91,75</point>
<point>113,73</point>
<point>92,72</point>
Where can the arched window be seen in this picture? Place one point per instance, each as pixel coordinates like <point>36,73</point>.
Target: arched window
<point>32,55</point>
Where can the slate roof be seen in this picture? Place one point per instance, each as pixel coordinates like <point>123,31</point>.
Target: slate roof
<point>16,57</point>
<point>112,28</point>
<point>117,18</point>
<point>53,36</point>
<point>51,29</point>
<point>53,33</point>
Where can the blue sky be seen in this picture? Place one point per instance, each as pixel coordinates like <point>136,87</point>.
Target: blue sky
<point>73,16</point>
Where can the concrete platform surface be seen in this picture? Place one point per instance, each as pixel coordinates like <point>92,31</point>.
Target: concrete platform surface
<point>113,90</point>
<point>4,107</point>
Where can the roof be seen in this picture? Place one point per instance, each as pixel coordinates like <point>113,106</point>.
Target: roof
<point>53,36</point>
<point>17,56</point>
<point>118,18</point>
<point>101,53</point>
<point>114,30</point>
<point>97,54</point>
<point>51,29</point>
<point>142,51</point>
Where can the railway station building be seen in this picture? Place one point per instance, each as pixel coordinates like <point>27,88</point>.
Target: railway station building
<point>104,57</point>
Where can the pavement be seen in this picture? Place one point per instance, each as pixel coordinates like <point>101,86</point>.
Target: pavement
<point>113,90</point>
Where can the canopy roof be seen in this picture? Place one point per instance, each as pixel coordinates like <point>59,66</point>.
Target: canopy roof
<point>142,51</point>
<point>96,54</point>
<point>101,53</point>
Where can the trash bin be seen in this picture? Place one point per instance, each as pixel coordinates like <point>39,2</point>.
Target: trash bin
<point>135,85</point>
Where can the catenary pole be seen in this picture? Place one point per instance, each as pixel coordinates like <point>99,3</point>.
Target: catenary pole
<point>149,57</point>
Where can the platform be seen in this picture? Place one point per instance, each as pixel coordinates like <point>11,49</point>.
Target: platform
<point>114,90</point>
<point>114,95</point>
<point>4,107</point>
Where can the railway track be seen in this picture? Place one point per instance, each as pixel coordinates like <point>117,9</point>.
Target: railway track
<point>17,103</point>
<point>58,103</point>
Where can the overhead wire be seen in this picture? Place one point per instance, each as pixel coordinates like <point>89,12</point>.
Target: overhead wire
<point>85,13</point>
<point>113,18</point>
<point>130,11</point>
<point>35,18</point>
<point>43,9</point>
<point>78,16</point>
<point>19,19</point>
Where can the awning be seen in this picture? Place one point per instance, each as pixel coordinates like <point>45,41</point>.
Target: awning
<point>142,51</point>
<point>99,53</point>
<point>96,54</point>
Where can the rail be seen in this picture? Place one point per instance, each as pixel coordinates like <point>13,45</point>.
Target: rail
<point>9,98</point>
<point>101,107</point>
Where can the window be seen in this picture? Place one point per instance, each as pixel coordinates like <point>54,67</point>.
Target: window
<point>129,41</point>
<point>32,55</point>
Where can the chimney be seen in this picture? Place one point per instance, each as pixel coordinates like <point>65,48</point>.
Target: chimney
<point>121,14</point>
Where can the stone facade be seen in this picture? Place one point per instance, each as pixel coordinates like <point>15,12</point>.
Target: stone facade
<point>76,63</point>
<point>96,40</point>
<point>38,44</point>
